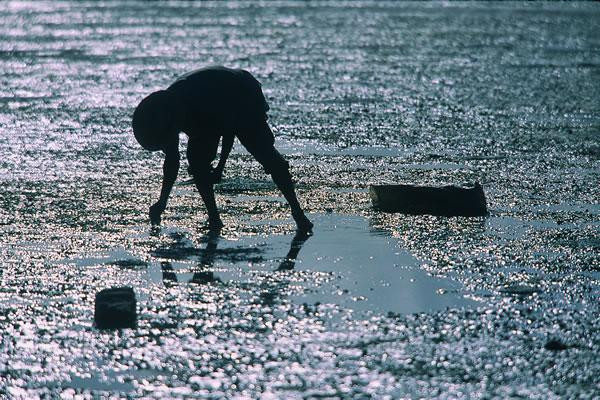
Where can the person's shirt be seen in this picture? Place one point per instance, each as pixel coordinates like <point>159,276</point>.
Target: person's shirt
<point>216,99</point>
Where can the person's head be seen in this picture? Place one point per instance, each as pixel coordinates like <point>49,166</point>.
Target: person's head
<point>154,120</point>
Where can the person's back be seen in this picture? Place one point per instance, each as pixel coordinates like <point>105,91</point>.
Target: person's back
<point>208,104</point>
<point>216,97</point>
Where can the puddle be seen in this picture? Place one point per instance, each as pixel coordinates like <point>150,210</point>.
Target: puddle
<point>516,228</point>
<point>117,256</point>
<point>568,207</point>
<point>345,262</point>
<point>110,380</point>
<point>98,383</point>
<point>375,274</point>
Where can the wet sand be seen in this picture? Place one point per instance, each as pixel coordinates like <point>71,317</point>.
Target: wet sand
<point>372,304</point>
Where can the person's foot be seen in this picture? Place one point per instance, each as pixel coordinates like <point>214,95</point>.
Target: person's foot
<point>303,224</point>
<point>156,211</point>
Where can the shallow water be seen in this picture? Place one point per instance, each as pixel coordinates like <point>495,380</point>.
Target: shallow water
<point>367,270</point>
<point>361,93</point>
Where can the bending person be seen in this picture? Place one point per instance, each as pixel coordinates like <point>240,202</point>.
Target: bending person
<point>210,105</point>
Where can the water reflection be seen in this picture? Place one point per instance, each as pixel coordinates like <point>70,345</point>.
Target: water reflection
<point>290,259</point>
<point>168,274</point>
<point>352,262</point>
<point>203,273</point>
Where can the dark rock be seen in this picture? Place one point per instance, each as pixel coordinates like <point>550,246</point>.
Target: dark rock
<point>555,345</point>
<point>115,308</point>
<point>445,201</point>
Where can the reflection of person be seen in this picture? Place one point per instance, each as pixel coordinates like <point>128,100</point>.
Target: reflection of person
<point>210,104</point>
<point>204,275</point>
<point>290,260</point>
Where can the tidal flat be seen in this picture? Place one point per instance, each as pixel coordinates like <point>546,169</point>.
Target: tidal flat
<point>372,305</point>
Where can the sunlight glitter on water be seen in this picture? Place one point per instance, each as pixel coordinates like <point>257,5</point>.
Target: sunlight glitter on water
<point>361,93</point>
<point>368,270</point>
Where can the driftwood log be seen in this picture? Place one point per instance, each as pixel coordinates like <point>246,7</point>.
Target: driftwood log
<point>445,201</point>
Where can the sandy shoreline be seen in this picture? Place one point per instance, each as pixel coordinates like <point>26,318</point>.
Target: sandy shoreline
<point>367,93</point>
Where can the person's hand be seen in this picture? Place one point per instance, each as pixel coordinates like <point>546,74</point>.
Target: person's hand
<point>156,211</point>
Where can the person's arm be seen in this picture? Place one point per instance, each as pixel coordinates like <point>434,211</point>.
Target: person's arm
<point>226,146</point>
<point>170,171</point>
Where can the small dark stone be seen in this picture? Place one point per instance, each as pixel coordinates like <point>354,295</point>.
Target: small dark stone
<point>555,345</point>
<point>115,308</point>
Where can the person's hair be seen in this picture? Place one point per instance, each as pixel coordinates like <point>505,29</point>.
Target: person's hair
<point>152,120</point>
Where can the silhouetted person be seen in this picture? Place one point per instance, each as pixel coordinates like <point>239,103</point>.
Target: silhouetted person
<point>210,104</point>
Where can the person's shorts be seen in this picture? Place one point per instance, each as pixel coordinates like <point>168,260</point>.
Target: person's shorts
<point>251,101</point>
<point>248,121</point>
<point>200,154</point>
<point>256,136</point>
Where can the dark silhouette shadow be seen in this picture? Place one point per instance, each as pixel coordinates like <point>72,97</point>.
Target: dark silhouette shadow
<point>180,247</point>
<point>168,274</point>
<point>203,275</point>
<point>232,106</point>
<point>154,231</point>
<point>290,259</point>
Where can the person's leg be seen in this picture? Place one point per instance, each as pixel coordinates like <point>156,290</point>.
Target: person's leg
<point>283,180</point>
<point>208,197</point>
<point>259,141</point>
<point>200,156</point>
